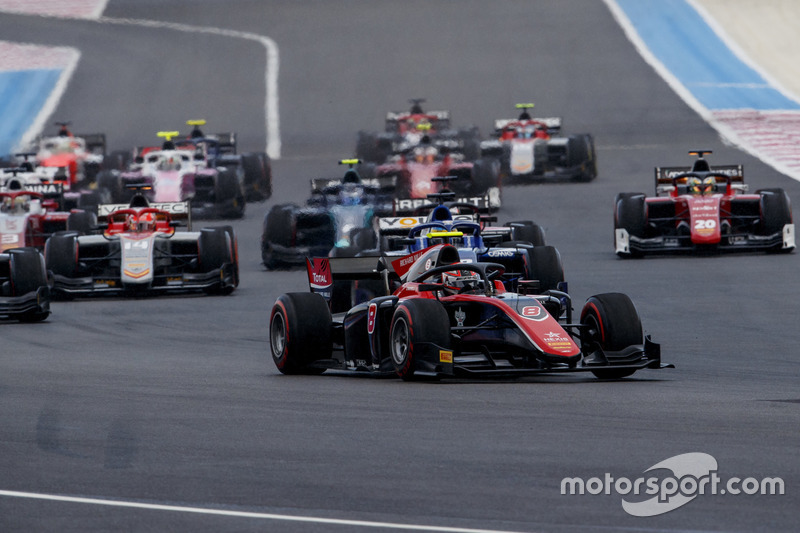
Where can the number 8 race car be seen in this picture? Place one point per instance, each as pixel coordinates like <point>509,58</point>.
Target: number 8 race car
<point>702,209</point>
<point>449,318</point>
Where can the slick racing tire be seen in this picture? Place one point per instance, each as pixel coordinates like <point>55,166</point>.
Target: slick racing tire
<point>546,266</point>
<point>300,332</point>
<point>60,253</point>
<point>234,246</point>
<point>580,153</point>
<point>28,274</point>
<point>109,187</point>
<point>629,214</point>
<point>776,210</point>
<point>82,222</point>
<point>229,196</point>
<point>278,229</point>
<point>527,231</point>
<point>419,327</point>
<point>215,250</point>
<point>612,323</point>
<point>256,180</point>
<point>485,175</point>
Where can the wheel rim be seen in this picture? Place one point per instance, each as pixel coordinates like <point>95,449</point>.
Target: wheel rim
<point>593,337</point>
<point>278,335</point>
<point>400,341</point>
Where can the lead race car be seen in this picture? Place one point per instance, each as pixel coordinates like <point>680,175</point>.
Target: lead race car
<point>702,209</point>
<point>140,252</point>
<point>533,149</point>
<point>449,318</point>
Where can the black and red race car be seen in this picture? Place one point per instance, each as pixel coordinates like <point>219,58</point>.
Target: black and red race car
<point>448,318</point>
<point>702,208</point>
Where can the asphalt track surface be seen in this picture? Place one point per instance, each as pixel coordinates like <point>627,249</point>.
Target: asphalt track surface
<point>175,401</point>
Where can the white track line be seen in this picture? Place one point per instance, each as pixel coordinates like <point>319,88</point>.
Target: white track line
<point>271,115</point>
<point>51,103</point>
<point>243,514</point>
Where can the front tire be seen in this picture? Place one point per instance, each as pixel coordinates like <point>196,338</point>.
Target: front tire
<point>420,328</point>
<point>300,332</point>
<point>611,323</point>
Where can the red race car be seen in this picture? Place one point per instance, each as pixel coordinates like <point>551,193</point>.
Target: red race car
<point>448,318</point>
<point>406,129</point>
<point>702,208</point>
<point>27,219</point>
<point>416,171</point>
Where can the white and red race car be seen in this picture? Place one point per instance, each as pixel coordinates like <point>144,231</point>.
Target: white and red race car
<point>140,251</point>
<point>533,149</point>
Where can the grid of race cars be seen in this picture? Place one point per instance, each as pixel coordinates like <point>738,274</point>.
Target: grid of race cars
<point>409,272</point>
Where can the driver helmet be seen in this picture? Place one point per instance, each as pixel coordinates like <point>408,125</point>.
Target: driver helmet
<point>21,203</point>
<point>694,186</point>
<point>130,223</point>
<point>147,222</point>
<point>709,185</point>
<point>350,194</point>
<point>459,281</point>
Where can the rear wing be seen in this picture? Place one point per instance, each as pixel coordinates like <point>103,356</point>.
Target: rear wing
<point>382,184</point>
<point>553,124</point>
<point>176,210</point>
<point>400,226</point>
<point>95,142</point>
<point>333,278</point>
<point>665,176</point>
<point>414,206</point>
<point>394,116</point>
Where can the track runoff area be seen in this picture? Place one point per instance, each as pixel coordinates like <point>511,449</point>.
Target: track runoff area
<point>697,57</point>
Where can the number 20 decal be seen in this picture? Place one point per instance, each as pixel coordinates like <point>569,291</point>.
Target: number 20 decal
<point>708,223</point>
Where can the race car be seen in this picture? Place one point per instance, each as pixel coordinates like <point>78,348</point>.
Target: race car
<point>519,246</point>
<point>533,149</point>
<point>72,159</point>
<point>177,174</point>
<point>702,209</point>
<point>56,188</point>
<point>337,220</point>
<point>140,252</point>
<point>24,292</point>
<point>254,169</point>
<point>405,129</point>
<point>449,318</point>
<point>27,219</point>
<point>414,171</point>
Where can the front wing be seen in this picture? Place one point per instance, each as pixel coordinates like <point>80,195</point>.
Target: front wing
<point>626,244</point>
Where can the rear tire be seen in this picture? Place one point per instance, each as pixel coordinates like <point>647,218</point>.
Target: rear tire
<point>278,229</point>
<point>546,266</point>
<point>418,325</point>
<point>612,324</point>
<point>82,222</point>
<point>229,196</point>
<point>60,253</point>
<point>776,210</point>
<point>527,231</point>
<point>256,180</point>
<point>300,332</point>
<point>215,250</point>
